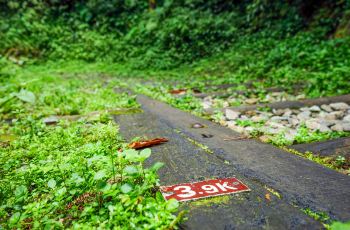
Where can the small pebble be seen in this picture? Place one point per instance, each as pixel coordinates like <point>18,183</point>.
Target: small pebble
<point>197,126</point>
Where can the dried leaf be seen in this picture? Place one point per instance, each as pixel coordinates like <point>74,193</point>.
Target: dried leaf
<point>147,143</point>
<point>84,198</point>
<point>178,91</point>
<point>267,196</point>
<point>264,138</point>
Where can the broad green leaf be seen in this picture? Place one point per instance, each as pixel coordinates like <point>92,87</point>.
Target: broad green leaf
<point>172,204</point>
<point>77,179</point>
<point>100,174</point>
<point>126,188</point>
<point>15,218</point>
<point>159,197</point>
<point>101,184</point>
<point>51,183</point>
<point>61,191</point>
<point>111,209</point>
<point>144,154</point>
<point>157,166</point>
<point>26,96</point>
<point>21,191</point>
<point>130,169</point>
<point>131,155</point>
<point>340,226</point>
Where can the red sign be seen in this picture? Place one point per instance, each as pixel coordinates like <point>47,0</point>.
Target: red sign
<point>197,190</point>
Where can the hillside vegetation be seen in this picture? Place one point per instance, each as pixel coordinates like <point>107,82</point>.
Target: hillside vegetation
<point>277,41</point>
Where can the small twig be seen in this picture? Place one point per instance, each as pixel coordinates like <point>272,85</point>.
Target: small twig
<point>236,138</point>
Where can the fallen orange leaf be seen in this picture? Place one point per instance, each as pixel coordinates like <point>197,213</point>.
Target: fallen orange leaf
<point>177,91</point>
<point>147,143</point>
<point>267,196</point>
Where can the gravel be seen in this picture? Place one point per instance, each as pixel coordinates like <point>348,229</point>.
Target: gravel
<point>324,118</point>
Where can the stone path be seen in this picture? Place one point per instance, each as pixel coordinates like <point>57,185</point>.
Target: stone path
<point>299,181</point>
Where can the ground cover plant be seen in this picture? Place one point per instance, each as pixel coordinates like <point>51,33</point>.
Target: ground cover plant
<point>76,173</point>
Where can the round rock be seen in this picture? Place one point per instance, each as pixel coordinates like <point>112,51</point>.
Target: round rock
<point>231,114</point>
<point>339,106</point>
<point>326,108</point>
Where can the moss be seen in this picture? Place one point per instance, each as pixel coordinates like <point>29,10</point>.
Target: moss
<point>211,200</point>
<point>326,161</point>
<point>125,111</point>
<point>7,137</point>
<point>319,216</point>
<point>274,192</point>
<point>196,143</point>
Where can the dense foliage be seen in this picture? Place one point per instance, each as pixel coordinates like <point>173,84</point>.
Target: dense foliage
<point>72,174</point>
<point>162,35</point>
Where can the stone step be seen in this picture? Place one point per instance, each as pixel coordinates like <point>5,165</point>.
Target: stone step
<point>300,181</point>
<point>186,161</point>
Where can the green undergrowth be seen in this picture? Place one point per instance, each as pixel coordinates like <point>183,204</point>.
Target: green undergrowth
<point>326,220</point>
<point>265,61</point>
<point>304,135</point>
<point>218,200</point>
<point>37,91</point>
<point>75,173</point>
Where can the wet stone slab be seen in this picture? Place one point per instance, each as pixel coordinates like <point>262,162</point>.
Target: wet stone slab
<point>299,181</point>
<point>186,161</point>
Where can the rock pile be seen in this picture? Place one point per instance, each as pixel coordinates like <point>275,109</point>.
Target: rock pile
<point>324,118</point>
<point>210,102</point>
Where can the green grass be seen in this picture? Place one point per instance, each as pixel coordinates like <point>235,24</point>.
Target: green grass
<point>72,174</point>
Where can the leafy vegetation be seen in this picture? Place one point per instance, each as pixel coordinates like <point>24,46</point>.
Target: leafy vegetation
<point>340,226</point>
<point>269,42</point>
<point>76,173</point>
